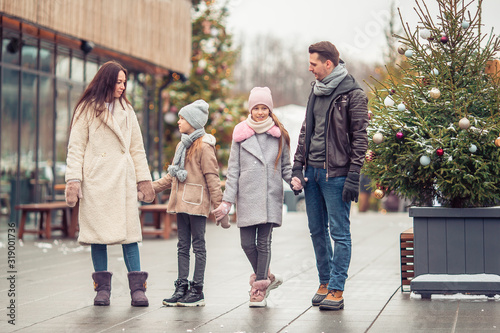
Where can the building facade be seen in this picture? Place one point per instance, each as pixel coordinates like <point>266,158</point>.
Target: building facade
<point>50,51</point>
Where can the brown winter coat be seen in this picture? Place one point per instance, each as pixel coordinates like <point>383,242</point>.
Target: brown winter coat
<point>201,191</point>
<point>107,155</point>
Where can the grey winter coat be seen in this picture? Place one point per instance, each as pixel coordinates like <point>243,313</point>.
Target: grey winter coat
<point>253,181</point>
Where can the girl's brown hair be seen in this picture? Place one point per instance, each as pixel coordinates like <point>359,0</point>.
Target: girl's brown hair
<point>195,146</point>
<point>101,90</point>
<point>284,135</point>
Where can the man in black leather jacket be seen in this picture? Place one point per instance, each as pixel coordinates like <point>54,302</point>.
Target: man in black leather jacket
<point>330,153</point>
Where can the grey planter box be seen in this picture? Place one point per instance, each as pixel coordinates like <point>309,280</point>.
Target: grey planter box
<point>456,250</point>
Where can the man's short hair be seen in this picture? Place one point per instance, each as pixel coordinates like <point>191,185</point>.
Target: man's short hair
<point>326,51</point>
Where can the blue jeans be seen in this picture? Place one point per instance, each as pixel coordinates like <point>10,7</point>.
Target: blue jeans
<point>328,215</point>
<point>99,253</point>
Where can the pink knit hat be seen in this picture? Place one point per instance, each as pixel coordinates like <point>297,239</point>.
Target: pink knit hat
<point>260,95</point>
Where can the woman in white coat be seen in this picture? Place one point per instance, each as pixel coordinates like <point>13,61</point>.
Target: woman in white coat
<point>258,163</point>
<point>107,171</point>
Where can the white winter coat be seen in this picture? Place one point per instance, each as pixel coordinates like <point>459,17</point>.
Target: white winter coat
<point>109,159</point>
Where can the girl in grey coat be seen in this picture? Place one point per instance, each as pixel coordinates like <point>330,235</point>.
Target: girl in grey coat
<point>258,163</point>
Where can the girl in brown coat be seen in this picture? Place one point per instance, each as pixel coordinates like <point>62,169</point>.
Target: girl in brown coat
<point>194,180</point>
<point>107,171</point>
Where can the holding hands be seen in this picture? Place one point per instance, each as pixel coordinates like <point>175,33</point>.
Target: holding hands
<point>221,214</point>
<point>298,181</point>
<point>145,191</point>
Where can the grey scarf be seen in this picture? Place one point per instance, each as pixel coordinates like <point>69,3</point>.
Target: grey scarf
<point>331,81</point>
<point>177,168</point>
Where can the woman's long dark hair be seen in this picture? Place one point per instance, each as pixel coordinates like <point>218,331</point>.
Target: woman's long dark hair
<point>101,90</point>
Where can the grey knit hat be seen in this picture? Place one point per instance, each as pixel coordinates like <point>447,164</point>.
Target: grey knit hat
<point>196,113</point>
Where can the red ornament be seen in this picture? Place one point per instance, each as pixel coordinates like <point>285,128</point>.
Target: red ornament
<point>370,155</point>
<point>439,152</point>
<point>444,39</point>
<point>399,135</point>
<point>370,115</point>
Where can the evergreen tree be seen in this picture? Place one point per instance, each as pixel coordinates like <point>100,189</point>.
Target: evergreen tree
<point>210,79</point>
<point>435,131</point>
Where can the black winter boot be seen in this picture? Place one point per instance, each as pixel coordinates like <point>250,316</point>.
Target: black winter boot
<point>102,284</point>
<point>137,284</point>
<point>194,296</point>
<point>181,287</point>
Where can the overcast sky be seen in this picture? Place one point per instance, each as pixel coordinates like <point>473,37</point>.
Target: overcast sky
<point>356,27</point>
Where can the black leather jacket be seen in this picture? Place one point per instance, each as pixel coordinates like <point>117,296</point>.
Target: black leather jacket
<point>346,137</point>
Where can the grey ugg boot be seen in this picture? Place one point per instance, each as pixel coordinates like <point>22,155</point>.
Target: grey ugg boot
<point>102,284</point>
<point>137,284</point>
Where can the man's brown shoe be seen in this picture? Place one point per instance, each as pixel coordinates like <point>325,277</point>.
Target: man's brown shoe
<point>320,294</point>
<point>333,301</point>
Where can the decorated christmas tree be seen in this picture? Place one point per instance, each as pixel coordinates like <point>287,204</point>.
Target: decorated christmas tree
<point>435,130</point>
<point>210,79</point>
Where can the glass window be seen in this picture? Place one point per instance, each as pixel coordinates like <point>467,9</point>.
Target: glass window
<point>11,47</point>
<point>46,138</point>
<point>92,68</point>
<point>28,135</point>
<point>29,53</point>
<point>9,112</point>
<point>63,119</point>
<point>47,57</point>
<point>62,63</point>
<point>77,69</point>
<point>75,94</point>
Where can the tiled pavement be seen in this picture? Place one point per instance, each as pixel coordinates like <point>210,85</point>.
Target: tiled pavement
<point>54,290</point>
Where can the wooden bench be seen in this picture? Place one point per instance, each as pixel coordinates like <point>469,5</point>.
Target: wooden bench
<point>407,260</point>
<point>68,225</point>
<point>162,221</point>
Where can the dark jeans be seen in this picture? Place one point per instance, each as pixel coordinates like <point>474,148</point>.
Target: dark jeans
<point>99,253</point>
<point>256,242</point>
<point>191,227</point>
<point>328,216</point>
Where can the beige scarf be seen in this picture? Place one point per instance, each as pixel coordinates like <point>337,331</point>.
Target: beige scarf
<point>261,126</point>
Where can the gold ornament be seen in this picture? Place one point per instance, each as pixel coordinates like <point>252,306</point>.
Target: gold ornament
<point>370,155</point>
<point>378,193</point>
<point>435,93</point>
<point>402,49</point>
<point>497,142</point>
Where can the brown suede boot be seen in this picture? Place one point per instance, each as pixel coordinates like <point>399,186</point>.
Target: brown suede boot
<point>102,284</point>
<point>137,284</point>
<point>320,294</point>
<point>333,301</point>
